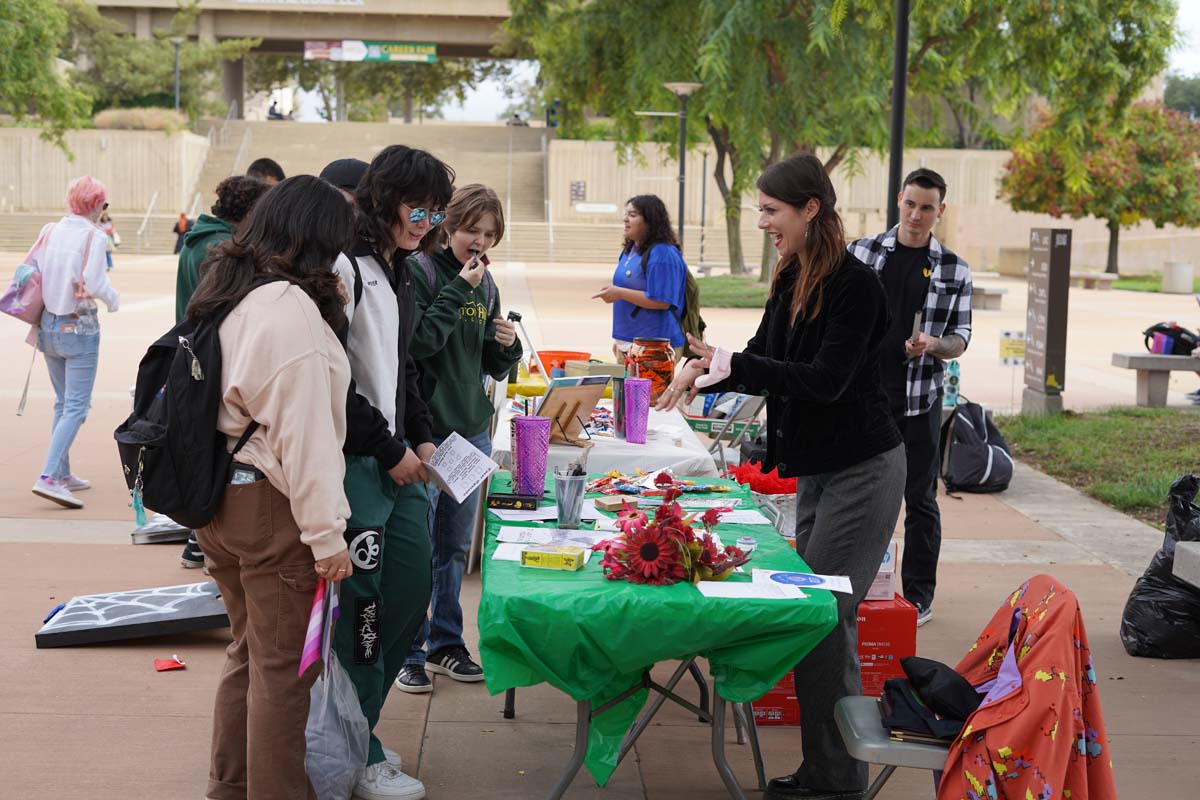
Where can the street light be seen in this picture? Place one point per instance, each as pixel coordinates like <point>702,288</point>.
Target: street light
<point>682,90</point>
<point>177,41</point>
<point>899,90</point>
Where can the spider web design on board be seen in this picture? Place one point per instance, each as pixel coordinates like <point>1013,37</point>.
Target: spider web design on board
<point>122,608</point>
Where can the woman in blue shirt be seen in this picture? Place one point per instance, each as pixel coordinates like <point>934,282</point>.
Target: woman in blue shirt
<point>647,290</point>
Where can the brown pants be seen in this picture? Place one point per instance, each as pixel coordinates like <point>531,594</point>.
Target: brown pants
<point>266,577</point>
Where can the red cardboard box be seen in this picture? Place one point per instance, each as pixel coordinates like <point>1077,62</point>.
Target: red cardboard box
<point>887,632</point>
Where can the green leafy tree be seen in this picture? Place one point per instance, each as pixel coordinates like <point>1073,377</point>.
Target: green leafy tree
<point>1182,93</point>
<point>1143,170</point>
<point>786,76</point>
<point>120,70</point>
<point>30,82</point>
<point>373,90</point>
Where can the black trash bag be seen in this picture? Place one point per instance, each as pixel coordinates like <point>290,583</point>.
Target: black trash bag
<point>1162,615</point>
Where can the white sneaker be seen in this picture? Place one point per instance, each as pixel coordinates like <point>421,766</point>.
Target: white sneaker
<point>382,781</point>
<point>77,484</point>
<point>55,490</point>
<point>393,758</point>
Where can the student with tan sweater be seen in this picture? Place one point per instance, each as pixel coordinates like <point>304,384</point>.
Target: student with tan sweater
<point>282,518</point>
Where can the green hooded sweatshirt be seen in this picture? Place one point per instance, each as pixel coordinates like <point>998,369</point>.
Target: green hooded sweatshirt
<point>204,234</point>
<point>454,344</point>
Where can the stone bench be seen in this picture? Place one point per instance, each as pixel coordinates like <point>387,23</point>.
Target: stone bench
<point>987,298</point>
<point>1154,374</point>
<point>1187,562</point>
<point>1093,280</point>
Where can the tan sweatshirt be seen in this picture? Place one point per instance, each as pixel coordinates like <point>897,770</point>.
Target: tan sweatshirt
<point>283,366</point>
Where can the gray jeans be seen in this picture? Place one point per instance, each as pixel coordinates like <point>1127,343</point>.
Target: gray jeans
<point>844,521</point>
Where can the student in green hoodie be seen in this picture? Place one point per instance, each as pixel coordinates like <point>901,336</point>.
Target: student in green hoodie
<point>460,337</point>
<point>235,197</point>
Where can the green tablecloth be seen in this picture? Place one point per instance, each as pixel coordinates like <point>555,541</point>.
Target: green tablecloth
<point>593,638</point>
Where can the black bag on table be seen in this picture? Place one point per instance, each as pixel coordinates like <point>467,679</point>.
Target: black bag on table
<point>170,449</point>
<point>975,456</point>
<point>1162,615</point>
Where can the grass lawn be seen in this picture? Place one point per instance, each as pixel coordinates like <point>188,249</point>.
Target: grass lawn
<point>1145,283</point>
<point>732,291</point>
<point>1126,458</point>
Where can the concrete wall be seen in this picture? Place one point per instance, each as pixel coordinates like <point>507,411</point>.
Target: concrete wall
<point>977,223</point>
<point>132,164</point>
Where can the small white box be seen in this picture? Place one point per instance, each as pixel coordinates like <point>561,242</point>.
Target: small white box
<point>884,585</point>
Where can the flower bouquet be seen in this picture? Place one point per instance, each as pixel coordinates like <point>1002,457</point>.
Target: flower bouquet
<point>667,548</point>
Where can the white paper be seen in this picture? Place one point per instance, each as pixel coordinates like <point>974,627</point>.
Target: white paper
<point>459,468</point>
<point>692,501</point>
<point>556,536</point>
<point>741,590</point>
<point>834,583</point>
<point>744,516</point>
<point>543,513</point>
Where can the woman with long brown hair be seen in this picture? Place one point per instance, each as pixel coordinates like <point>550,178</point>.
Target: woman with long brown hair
<point>815,357</point>
<point>280,525</point>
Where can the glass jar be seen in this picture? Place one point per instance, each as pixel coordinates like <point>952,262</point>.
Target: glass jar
<point>652,358</point>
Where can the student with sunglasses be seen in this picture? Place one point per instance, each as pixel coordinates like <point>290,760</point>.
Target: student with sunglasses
<point>389,431</point>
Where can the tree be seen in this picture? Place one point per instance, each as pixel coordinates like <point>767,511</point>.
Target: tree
<point>787,76</point>
<point>373,90</point>
<point>1182,93</point>
<point>120,70</point>
<point>1145,169</point>
<point>30,82</point>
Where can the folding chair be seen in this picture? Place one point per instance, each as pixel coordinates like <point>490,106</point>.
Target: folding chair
<point>860,723</point>
<point>746,409</point>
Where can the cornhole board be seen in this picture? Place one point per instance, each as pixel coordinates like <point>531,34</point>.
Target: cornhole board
<point>112,617</point>
<point>161,529</point>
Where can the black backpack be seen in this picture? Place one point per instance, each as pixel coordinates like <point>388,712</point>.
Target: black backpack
<point>975,456</point>
<point>172,454</point>
<point>1183,340</point>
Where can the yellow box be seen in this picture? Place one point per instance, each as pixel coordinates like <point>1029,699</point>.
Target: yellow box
<point>564,557</point>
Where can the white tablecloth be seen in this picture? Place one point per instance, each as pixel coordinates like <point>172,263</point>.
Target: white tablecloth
<point>670,443</point>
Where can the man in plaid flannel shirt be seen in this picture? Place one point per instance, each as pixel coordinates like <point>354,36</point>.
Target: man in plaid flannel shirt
<point>921,277</point>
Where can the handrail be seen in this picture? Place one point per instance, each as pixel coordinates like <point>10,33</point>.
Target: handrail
<point>241,153</point>
<point>145,217</point>
<point>194,211</point>
<point>230,114</point>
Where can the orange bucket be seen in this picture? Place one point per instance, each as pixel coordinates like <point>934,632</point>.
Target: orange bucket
<point>557,359</point>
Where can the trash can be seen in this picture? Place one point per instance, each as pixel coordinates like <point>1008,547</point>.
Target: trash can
<point>1178,277</point>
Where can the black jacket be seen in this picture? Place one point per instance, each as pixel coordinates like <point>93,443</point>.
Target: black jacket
<point>366,428</point>
<point>826,409</point>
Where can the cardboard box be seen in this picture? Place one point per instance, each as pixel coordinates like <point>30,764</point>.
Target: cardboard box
<point>887,632</point>
<point>884,585</point>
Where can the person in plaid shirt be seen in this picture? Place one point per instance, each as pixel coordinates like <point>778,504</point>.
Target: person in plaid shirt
<point>921,277</point>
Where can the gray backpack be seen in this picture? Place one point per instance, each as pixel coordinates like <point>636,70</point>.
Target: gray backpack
<point>427,269</point>
<point>975,456</point>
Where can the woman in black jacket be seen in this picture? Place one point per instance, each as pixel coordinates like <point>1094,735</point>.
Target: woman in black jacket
<point>815,358</point>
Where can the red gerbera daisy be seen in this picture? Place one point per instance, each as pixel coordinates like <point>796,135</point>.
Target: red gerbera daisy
<point>653,557</point>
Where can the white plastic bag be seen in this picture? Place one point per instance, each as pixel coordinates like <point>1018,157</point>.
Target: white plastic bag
<point>337,735</point>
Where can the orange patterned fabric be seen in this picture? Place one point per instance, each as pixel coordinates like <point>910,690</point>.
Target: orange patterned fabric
<point>1039,734</point>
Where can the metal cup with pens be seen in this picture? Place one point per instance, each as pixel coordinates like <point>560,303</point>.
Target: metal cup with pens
<point>570,482</point>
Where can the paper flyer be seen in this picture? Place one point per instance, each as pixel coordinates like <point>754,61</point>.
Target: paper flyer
<point>459,468</point>
<point>803,580</point>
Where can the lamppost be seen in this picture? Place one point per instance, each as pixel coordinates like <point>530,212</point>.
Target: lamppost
<point>682,89</point>
<point>899,90</point>
<point>177,41</point>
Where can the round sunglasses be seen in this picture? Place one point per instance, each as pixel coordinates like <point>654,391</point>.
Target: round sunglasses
<point>418,215</point>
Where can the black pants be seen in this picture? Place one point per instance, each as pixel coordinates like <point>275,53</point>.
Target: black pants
<point>922,520</point>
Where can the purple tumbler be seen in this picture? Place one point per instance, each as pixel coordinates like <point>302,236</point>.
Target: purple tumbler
<point>637,409</point>
<point>530,444</point>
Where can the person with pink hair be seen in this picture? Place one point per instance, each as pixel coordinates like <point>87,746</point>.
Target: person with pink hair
<point>70,256</point>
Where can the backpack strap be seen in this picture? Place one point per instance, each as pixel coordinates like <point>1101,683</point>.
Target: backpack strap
<point>245,437</point>
<point>358,286</point>
<point>428,270</point>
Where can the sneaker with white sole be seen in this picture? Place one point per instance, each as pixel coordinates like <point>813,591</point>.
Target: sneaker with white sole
<point>924,614</point>
<point>382,781</point>
<point>413,680</point>
<point>393,758</point>
<point>454,662</point>
<point>78,484</point>
<point>55,490</point>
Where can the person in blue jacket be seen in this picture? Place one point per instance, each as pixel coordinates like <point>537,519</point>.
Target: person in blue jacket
<point>647,290</point>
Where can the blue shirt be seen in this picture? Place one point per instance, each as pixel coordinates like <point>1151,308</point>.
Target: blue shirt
<point>663,281</point>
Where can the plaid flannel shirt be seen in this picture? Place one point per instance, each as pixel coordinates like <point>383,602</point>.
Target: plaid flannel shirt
<point>947,310</point>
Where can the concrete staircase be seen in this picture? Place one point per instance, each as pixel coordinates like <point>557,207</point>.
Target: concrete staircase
<point>18,232</point>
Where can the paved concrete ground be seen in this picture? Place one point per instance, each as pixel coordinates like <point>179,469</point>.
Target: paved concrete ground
<point>98,722</point>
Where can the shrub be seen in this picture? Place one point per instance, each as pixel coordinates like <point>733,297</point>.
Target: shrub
<point>141,119</point>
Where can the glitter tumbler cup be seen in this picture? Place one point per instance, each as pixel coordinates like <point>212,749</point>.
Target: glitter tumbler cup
<point>530,444</point>
<point>637,409</point>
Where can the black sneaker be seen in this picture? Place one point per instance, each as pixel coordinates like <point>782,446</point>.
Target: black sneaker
<point>412,679</point>
<point>788,788</point>
<point>454,662</point>
<point>924,614</point>
<point>192,558</point>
